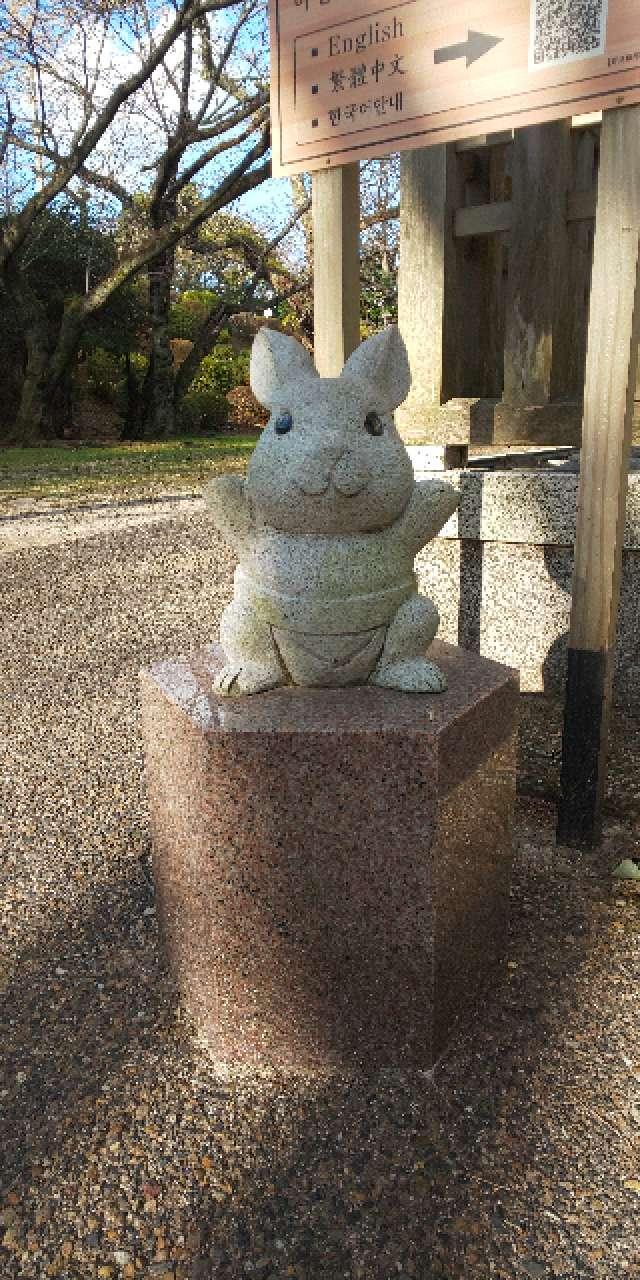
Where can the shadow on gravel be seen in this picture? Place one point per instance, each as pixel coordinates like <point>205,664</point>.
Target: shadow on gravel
<point>540,754</point>
<point>495,1167</point>
<point>474,1173</point>
<point>70,1014</point>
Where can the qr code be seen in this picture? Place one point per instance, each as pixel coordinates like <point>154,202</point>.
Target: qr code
<point>564,30</point>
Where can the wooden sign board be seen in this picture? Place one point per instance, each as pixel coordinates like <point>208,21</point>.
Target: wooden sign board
<point>353,79</point>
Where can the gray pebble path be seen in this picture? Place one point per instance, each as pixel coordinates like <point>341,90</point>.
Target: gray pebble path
<point>124,1153</point>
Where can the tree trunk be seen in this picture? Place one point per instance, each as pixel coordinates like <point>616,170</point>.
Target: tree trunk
<point>204,341</point>
<point>159,408</point>
<point>45,400</point>
<point>33,422</point>
<point>132,429</point>
<point>68,341</point>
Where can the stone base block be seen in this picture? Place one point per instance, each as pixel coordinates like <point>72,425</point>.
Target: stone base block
<point>332,866</point>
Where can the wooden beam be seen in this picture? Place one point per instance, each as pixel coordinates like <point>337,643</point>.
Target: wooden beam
<point>612,356</point>
<point>336,267</point>
<point>488,219</point>
<point>484,140</point>
<point>474,421</point>
<point>482,219</point>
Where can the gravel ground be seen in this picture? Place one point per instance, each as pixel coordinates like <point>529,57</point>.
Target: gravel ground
<point>125,1154</point>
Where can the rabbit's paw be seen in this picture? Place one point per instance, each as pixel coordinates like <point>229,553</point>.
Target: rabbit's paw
<point>250,677</point>
<point>410,675</point>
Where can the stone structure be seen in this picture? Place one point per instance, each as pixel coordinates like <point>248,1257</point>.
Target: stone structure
<point>332,865</point>
<point>500,571</point>
<point>326,528</point>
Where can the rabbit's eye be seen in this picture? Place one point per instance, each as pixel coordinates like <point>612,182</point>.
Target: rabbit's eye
<point>284,423</point>
<point>374,424</point>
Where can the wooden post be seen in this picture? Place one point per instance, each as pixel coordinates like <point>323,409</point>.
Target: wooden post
<point>425,273</point>
<point>612,355</point>
<point>444,307</point>
<point>586,143</point>
<point>336,267</point>
<point>421,276</point>
<point>534,358</point>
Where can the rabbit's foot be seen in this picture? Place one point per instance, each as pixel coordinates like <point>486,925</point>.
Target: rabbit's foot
<point>410,675</point>
<point>250,677</point>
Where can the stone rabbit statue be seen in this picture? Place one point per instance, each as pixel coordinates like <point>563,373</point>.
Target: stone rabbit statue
<point>326,528</point>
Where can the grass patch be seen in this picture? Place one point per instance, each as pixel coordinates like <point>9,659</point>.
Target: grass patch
<point>68,474</point>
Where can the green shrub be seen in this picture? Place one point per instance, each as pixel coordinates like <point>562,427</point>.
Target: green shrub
<point>243,359</point>
<point>104,374</point>
<point>138,365</point>
<point>222,369</point>
<point>216,371</point>
<point>189,313</point>
<point>202,410</point>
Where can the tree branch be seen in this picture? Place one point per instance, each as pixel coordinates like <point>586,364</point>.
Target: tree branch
<point>233,118</point>
<point>242,179</point>
<point>223,60</point>
<point>223,310</point>
<point>6,136</point>
<point>14,236</point>
<point>104,181</point>
<point>189,173</point>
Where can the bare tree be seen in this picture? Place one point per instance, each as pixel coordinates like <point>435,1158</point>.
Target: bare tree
<point>223,140</point>
<point>206,122</point>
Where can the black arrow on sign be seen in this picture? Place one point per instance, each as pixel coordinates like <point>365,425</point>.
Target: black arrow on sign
<point>472,48</point>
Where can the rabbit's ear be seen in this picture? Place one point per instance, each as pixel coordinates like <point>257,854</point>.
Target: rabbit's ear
<point>277,362</point>
<point>381,364</point>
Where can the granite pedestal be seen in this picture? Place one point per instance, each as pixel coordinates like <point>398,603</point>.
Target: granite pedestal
<point>332,866</point>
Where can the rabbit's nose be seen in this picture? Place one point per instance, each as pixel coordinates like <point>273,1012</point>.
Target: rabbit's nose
<point>313,471</point>
<point>314,481</point>
<point>349,475</point>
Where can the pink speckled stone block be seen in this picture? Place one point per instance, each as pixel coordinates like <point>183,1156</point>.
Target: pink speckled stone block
<point>332,865</point>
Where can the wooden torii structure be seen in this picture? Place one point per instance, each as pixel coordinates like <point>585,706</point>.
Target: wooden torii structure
<point>560,368</point>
